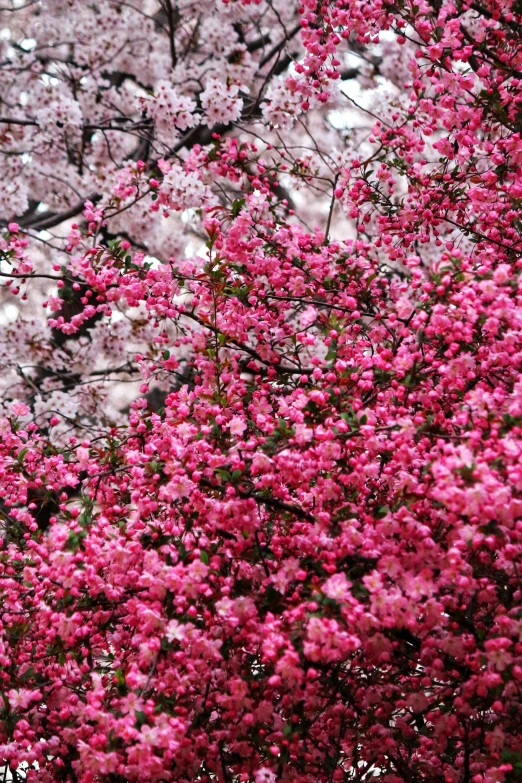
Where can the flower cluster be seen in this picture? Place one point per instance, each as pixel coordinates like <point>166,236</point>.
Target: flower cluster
<point>221,102</point>
<point>171,111</point>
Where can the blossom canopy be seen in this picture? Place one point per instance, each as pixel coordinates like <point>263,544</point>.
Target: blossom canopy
<point>261,405</point>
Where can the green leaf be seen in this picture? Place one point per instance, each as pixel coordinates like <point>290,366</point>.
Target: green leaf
<point>237,206</point>
<point>203,556</point>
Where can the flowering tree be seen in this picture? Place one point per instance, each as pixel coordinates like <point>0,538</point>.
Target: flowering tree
<point>261,428</point>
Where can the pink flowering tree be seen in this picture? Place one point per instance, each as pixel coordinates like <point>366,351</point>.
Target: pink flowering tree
<point>261,393</point>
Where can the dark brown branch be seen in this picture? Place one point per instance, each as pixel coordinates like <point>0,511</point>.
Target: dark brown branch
<point>270,502</point>
<point>39,223</point>
<point>348,73</point>
<point>281,368</point>
<point>172,18</point>
<point>17,121</point>
<point>30,276</point>
<point>275,49</point>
